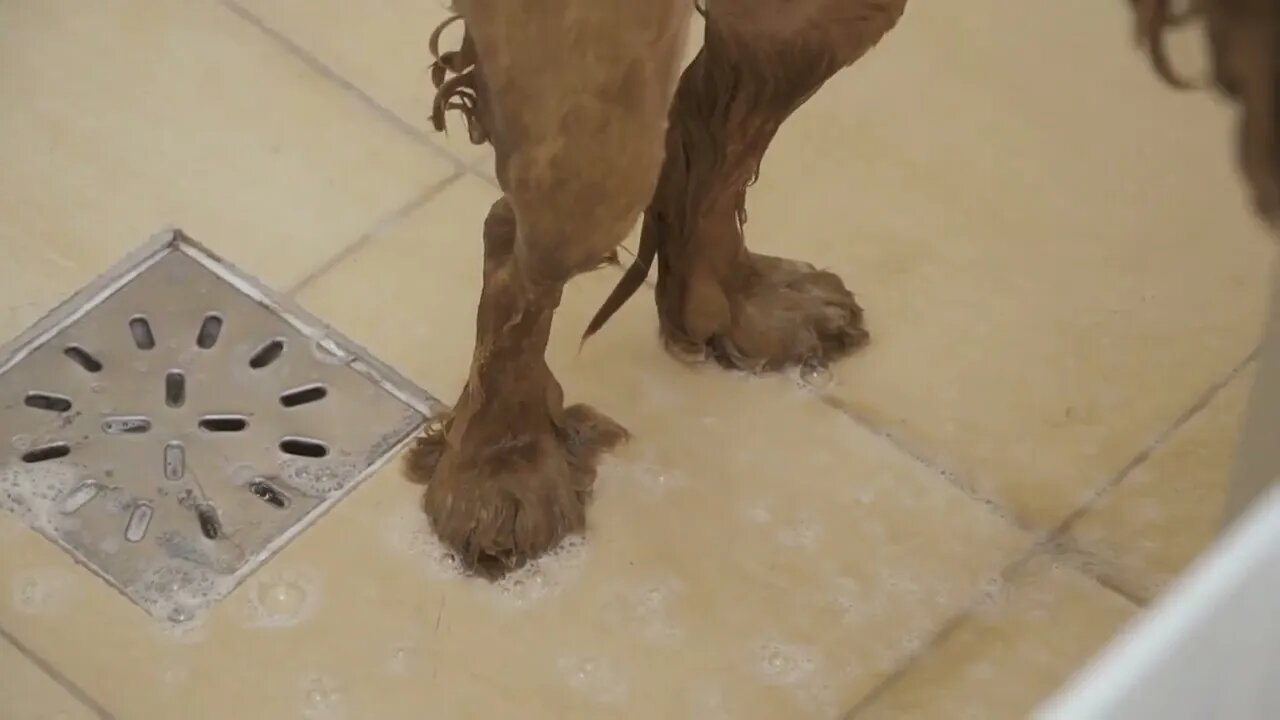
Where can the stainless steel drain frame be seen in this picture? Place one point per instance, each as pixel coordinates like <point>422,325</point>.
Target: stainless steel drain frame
<point>174,424</point>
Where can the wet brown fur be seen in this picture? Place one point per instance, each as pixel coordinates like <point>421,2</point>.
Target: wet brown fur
<point>1244,39</point>
<point>590,128</point>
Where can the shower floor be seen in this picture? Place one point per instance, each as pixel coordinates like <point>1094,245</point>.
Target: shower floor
<point>1035,442</point>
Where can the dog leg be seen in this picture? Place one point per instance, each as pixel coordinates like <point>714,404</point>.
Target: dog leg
<point>573,95</point>
<point>762,60</point>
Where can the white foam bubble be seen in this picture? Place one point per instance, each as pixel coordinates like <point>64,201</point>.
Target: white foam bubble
<point>403,657</point>
<point>544,576</point>
<point>321,699</point>
<point>813,376</point>
<point>594,677</point>
<point>409,533</point>
<point>42,591</point>
<point>30,491</point>
<point>856,604</point>
<point>281,598</point>
<point>318,478</point>
<point>778,663</point>
<point>646,609</point>
<point>646,474</point>
<point>178,592</point>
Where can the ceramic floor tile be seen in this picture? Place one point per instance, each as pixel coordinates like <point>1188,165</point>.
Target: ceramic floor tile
<point>120,117</point>
<point>1011,653</point>
<point>382,50</point>
<point>751,554</point>
<point>1053,248</point>
<point>27,693</point>
<point>1145,531</point>
<point>625,372</point>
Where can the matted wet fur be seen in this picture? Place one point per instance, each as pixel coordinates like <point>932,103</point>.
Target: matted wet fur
<point>1244,38</point>
<point>572,96</point>
<point>589,127</point>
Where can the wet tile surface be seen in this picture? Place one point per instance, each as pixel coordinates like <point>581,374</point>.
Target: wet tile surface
<point>1044,249</point>
<point>1012,652</point>
<point>1149,528</point>
<point>28,693</point>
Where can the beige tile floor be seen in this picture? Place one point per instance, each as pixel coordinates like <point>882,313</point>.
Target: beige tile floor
<point>1062,281</point>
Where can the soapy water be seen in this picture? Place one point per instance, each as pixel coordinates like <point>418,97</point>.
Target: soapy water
<point>594,677</point>
<point>799,670</point>
<point>858,605</point>
<point>813,375</point>
<point>778,663</point>
<point>546,576</point>
<point>321,699</point>
<point>403,658</point>
<point>406,645</point>
<point>646,609</point>
<point>409,533</point>
<point>42,591</point>
<point>178,593</point>
<point>281,598</point>
<point>318,478</point>
<point>31,492</point>
<point>646,474</point>
<point>800,532</point>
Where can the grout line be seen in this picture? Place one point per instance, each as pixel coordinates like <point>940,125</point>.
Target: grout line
<point>380,228</point>
<point>950,625</point>
<point>62,680</point>
<point>324,70</point>
<point>910,450</point>
<point>1200,403</point>
<point>1049,540</point>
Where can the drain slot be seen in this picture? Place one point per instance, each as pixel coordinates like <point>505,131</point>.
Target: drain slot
<point>45,453</point>
<point>140,329</point>
<point>171,428</point>
<point>81,357</point>
<point>267,354</point>
<point>175,461</point>
<point>223,423</point>
<point>304,395</point>
<point>210,525</point>
<point>302,447</point>
<point>126,426</point>
<point>210,329</point>
<point>47,401</point>
<point>79,496</point>
<point>175,389</point>
<point>139,520</point>
<point>269,494</point>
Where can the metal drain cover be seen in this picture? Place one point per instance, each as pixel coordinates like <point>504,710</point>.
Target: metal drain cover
<point>174,424</point>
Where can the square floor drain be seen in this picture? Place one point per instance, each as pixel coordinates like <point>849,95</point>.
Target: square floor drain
<point>174,424</point>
